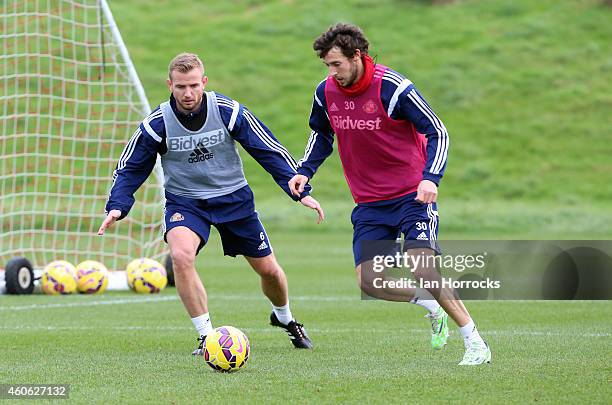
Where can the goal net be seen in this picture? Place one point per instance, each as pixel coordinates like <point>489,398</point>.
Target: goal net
<point>70,100</point>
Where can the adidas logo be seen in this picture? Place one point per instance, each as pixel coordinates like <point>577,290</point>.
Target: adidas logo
<point>334,107</point>
<point>422,236</point>
<point>263,246</point>
<point>200,154</point>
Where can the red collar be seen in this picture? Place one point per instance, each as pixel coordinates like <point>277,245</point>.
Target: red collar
<point>363,83</point>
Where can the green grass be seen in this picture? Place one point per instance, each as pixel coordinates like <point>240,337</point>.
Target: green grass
<point>365,351</point>
<point>124,348</point>
<point>138,351</point>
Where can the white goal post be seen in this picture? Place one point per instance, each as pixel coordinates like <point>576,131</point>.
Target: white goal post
<point>70,100</point>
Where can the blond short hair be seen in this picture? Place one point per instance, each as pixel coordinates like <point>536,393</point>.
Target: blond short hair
<point>185,62</point>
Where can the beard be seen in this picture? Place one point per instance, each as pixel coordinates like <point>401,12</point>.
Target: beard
<point>352,78</point>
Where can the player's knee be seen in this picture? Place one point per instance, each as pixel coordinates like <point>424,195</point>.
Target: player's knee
<point>270,270</point>
<point>266,267</point>
<point>358,275</point>
<point>183,259</point>
<point>369,289</point>
<point>363,284</point>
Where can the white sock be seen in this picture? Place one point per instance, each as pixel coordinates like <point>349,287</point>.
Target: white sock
<point>469,332</point>
<point>202,324</point>
<point>283,314</point>
<point>424,298</point>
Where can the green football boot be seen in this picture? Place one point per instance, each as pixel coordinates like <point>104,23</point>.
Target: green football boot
<point>439,328</point>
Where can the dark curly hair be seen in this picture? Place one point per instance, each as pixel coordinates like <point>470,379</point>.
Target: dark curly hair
<point>347,37</point>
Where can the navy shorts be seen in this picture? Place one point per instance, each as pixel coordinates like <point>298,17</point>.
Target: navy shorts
<point>234,216</point>
<point>388,220</point>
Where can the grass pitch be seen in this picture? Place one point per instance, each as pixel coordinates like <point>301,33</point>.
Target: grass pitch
<point>120,348</point>
<point>126,348</point>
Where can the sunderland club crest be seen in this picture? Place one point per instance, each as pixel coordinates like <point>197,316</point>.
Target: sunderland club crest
<point>177,216</point>
<point>370,107</point>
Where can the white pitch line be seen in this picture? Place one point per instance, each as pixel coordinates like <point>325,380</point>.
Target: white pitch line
<point>90,303</point>
<point>312,330</point>
<point>222,297</point>
<point>291,298</point>
<point>545,333</point>
<point>168,298</point>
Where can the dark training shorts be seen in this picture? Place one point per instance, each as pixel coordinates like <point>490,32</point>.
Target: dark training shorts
<point>388,220</point>
<point>242,233</point>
